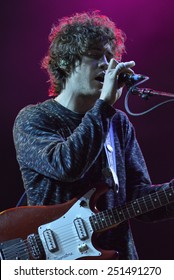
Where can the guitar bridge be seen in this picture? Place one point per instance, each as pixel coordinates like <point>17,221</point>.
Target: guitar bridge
<point>14,249</point>
<point>80,228</point>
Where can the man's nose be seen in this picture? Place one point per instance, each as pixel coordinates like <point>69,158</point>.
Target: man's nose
<point>103,63</point>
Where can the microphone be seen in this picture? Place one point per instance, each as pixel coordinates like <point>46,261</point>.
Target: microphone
<point>131,79</point>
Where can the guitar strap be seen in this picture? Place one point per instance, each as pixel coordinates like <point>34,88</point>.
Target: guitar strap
<point>22,201</point>
<point>111,157</point>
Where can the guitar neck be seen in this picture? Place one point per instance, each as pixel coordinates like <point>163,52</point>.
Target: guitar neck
<point>112,217</point>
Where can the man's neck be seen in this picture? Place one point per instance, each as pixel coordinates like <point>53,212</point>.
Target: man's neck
<point>80,104</point>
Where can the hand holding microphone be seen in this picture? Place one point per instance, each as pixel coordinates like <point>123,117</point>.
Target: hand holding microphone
<point>116,77</point>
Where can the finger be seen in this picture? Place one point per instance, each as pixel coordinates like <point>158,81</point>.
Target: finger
<point>124,67</point>
<point>129,64</point>
<point>112,64</point>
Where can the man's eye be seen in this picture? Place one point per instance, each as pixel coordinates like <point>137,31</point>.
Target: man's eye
<point>95,55</point>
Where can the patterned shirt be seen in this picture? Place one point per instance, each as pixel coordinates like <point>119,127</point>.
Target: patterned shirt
<point>61,155</point>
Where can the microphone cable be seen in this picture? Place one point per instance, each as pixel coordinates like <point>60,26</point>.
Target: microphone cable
<point>145,96</point>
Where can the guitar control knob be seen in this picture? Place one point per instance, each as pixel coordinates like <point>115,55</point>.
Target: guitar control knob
<point>83,203</point>
<point>83,248</point>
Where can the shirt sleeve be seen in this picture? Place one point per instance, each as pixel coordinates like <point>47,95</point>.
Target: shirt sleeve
<point>45,151</point>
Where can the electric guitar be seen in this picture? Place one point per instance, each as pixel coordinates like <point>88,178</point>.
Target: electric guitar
<point>68,231</point>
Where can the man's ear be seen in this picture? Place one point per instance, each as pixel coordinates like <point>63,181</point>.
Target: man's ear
<point>77,62</point>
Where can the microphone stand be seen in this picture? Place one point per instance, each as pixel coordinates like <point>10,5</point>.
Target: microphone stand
<point>145,93</point>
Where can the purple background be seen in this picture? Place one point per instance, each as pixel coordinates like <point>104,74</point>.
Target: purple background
<point>149,26</point>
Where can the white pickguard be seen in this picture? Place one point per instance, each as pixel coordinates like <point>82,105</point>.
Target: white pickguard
<point>66,236</point>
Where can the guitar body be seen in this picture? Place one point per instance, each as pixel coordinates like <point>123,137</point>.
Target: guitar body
<point>59,232</point>
<point>69,231</point>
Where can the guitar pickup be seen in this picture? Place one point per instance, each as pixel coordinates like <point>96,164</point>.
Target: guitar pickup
<point>80,228</point>
<point>50,240</point>
<point>36,248</point>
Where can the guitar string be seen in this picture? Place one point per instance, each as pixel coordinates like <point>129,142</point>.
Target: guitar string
<point>8,251</point>
<point>61,232</point>
<point>65,242</point>
<point>125,208</point>
<point>148,201</point>
<point>98,213</point>
<point>96,216</point>
<point>23,245</point>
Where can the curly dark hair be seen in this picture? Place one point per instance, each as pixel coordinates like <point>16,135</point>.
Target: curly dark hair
<point>72,38</point>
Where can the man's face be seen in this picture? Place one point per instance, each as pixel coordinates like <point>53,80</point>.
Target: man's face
<point>87,77</point>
